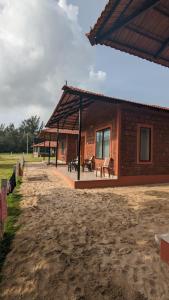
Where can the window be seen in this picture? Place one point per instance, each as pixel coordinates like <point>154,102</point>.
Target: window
<point>145,151</point>
<point>103,143</point>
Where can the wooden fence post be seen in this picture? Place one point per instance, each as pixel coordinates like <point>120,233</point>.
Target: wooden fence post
<point>3,205</point>
<point>1,223</point>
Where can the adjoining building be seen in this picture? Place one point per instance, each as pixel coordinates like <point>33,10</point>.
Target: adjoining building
<point>134,135</point>
<point>42,149</point>
<point>137,27</point>
<point>59,143</point>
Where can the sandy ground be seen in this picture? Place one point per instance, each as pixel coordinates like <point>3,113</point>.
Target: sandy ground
<point>86,245</point>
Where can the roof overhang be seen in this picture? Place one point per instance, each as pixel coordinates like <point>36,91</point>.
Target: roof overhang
<point>66,113</point>
<point>137,27</point>
<point>46,144</point>
<point>50,134</point>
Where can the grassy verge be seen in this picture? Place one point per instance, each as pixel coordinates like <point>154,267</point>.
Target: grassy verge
<point>11,224</point>
<point>8,161</point>
<point>31,158</point>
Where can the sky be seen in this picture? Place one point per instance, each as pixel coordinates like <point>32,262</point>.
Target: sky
<point>43,44</point>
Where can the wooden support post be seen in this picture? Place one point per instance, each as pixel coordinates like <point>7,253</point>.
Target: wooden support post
<point>44,148</point>
<point>4,183</point>
<point>49,151</point>
<point>57,144</point>
<point>3,205</point>
<point>79,138</point>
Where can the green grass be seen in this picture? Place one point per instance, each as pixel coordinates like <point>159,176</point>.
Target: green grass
<point>11,225</point>
<point>8,161</point>
<point>30,158</point>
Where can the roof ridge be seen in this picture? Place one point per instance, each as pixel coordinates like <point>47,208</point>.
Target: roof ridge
<point>65,87</point>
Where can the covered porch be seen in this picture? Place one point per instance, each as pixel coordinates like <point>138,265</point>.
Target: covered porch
<point>60,144</point>
<point>87,179</point>
<point>97,120</point>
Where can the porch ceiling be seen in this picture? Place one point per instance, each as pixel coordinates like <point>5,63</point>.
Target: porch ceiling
<point>138,27</point>
<point>67,110</point>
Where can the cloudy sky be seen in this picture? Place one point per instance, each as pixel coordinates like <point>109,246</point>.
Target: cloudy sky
<point>43,44</point>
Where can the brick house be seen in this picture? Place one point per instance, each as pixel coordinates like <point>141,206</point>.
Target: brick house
<point>67,143</point>
<point>42,149</point>
<point>134,135</point>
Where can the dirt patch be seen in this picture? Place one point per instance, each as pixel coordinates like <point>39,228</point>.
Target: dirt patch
<point>87,245</point>
<point>38,178</point>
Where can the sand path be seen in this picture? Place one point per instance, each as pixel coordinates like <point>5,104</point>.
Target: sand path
<point>79,245</point>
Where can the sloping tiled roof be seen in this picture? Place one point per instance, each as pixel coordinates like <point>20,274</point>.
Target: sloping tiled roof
<point>138,27</point>
<point>51,133</point>
<point>62,131</point>
<point>66,111</point>
<point>45,144</point>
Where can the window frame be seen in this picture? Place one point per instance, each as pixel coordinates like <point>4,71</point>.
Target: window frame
<point>102,130</point>
<point>139,127</point>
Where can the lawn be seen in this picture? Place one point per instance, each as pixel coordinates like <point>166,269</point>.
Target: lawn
<point>7,162</point>
<point>10,226</point>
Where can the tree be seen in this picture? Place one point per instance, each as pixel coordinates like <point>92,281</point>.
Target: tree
<point>30,125</point>
<point>15,139</point>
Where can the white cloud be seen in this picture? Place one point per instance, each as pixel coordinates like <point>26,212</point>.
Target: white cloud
<point>72,11</point>
<point>41,46</point>
<point>97,75</point>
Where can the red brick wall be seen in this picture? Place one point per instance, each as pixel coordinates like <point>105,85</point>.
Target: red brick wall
<point>99,116</point>
<point>130,118</point>
<point>62,156</point>
<point>72,147</point>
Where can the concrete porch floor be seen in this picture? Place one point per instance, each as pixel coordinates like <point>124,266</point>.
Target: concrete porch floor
<point>87,180</point>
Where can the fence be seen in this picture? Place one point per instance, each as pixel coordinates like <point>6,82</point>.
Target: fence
<point>7,187</point>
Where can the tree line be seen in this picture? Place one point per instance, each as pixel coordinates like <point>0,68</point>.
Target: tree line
<point>14,139</point>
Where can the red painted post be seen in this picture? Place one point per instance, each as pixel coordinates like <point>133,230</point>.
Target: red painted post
<point>1,223</point>
<point>164,250</point>
<point>4,198</point>
<point>3,205</point>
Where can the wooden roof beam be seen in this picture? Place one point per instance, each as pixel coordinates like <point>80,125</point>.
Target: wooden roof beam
<point>144,33</point>
<point>117,2</point>
<point>162,48</point>
<point>76,105</point>
<point>137,49</point>
<point>63,115</point>
<point>148,4</point>
<point>164,13</point>
<point>69,102</point>
<point>69,105</point>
